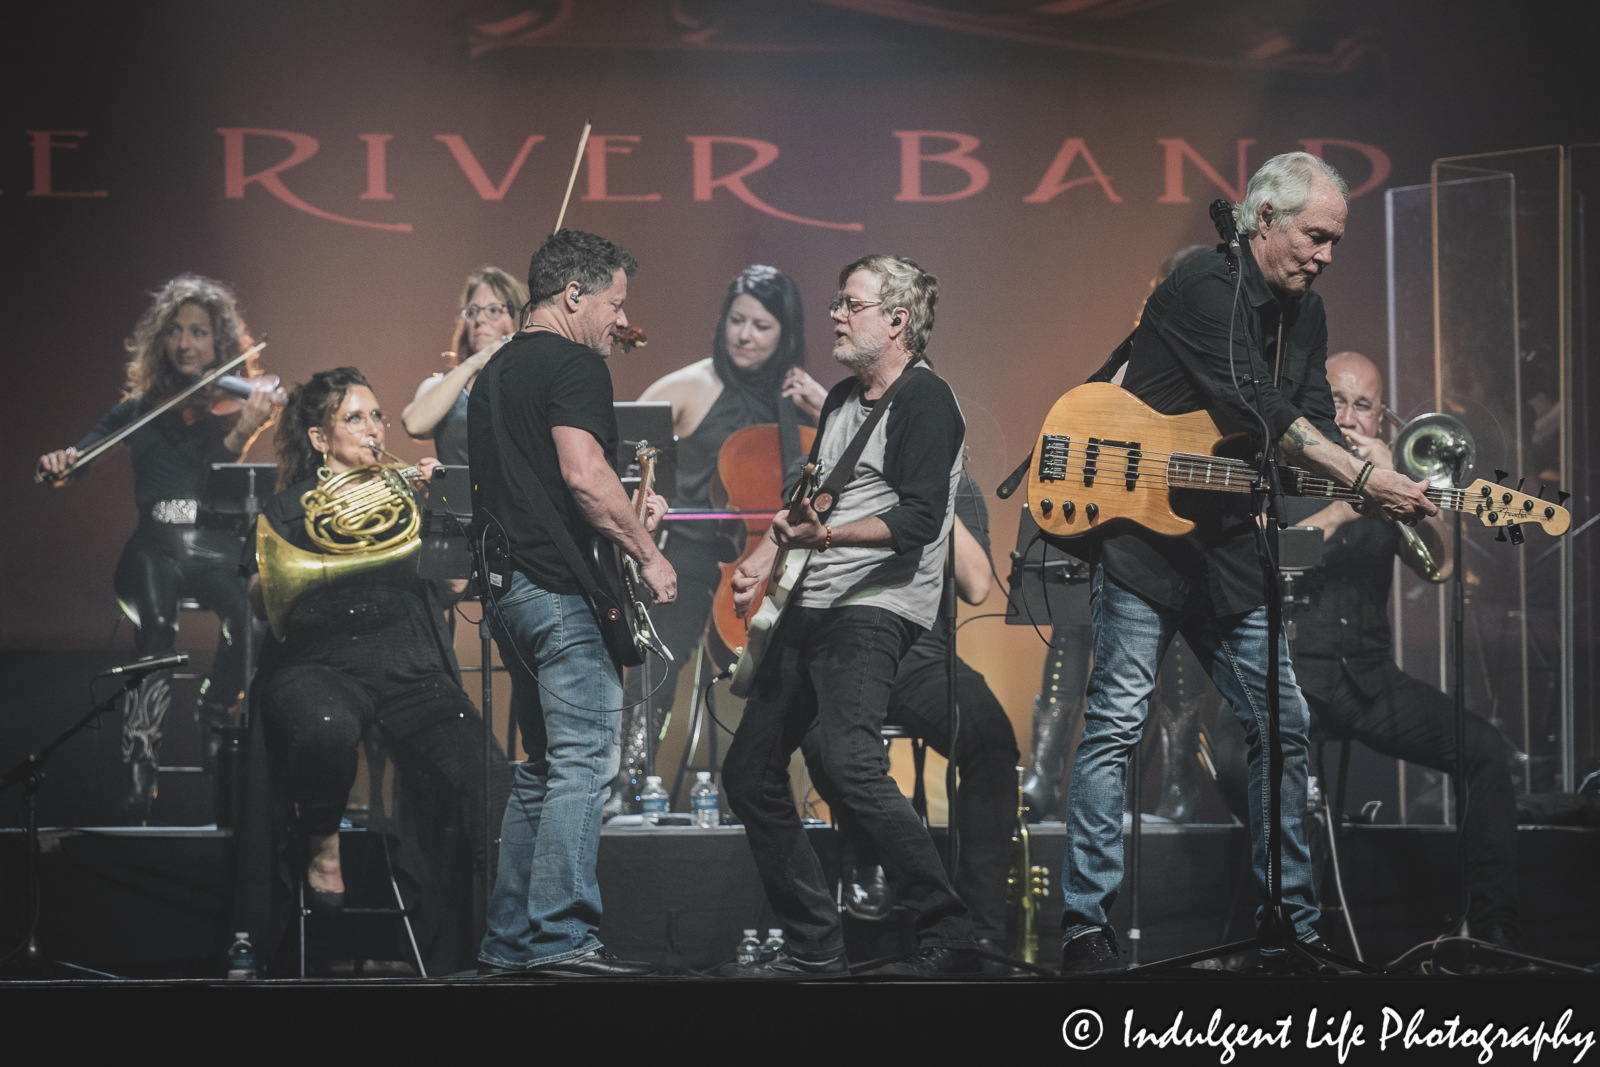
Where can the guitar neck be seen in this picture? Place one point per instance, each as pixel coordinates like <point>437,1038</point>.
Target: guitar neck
<point>1327,489</point>
<point>797,512</point>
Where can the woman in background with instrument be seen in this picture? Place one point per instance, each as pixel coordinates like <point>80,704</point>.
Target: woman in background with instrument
<point>178,550</point>
<point>754,375</point>
<point>492,304</point>
<point>364,644</point>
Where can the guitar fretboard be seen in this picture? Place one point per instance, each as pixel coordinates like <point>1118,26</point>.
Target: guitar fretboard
<point>1187,470</point>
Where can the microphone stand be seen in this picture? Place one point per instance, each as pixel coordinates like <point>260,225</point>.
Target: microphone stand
<point>30,773</point>
<point>1277,931</point>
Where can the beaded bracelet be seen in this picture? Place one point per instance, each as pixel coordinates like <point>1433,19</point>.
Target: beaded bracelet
<point>1361,479</point>
<point>827,537</point>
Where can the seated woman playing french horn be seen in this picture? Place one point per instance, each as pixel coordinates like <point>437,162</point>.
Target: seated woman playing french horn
<point>359,642</point>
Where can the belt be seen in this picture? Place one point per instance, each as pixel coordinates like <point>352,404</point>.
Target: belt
<point>175,512</point>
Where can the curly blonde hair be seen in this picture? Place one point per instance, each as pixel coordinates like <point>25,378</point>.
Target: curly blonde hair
<point>506,287</point>
<point>151,375</point>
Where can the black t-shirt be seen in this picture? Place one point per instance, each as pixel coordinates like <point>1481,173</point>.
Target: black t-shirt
<point>544,381</point>
<point>171,458</point>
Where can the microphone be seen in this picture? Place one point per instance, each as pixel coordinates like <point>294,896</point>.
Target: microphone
<point>1222,219</point>
<point>147,666</point>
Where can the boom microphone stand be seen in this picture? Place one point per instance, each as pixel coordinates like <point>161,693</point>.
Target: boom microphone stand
<point>30,773</point>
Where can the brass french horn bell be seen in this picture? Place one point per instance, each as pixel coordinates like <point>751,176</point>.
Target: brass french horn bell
<point>1436,448</point>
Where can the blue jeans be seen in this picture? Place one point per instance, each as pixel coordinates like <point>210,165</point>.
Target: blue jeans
<point>546,902</point>
<point>1131,636</point>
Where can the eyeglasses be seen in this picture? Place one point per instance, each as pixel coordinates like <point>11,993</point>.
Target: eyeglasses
<point>355,420</point>
<point>472,311</point>
<point>850,304</point>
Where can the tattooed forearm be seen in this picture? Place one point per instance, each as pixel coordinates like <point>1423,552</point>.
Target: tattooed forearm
<point>1299,437</point>
<point>1302,442</point>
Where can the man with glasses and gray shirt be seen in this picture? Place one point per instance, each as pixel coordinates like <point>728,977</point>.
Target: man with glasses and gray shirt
<point>872,587</point>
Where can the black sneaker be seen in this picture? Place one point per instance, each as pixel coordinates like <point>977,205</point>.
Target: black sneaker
<point>934,962</point>
<point>782,965</point>
<point>596,963</point>
<point>1094,952</point>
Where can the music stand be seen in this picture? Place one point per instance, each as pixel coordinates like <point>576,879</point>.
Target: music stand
<point>646,420</point>
<point>447,554</point>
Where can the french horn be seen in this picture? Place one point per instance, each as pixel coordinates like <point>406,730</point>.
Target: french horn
<point>362,520</point>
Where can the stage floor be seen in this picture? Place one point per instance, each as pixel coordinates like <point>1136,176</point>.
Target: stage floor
<point>153,902</point>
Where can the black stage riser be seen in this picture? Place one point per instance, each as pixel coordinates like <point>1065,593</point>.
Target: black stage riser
<point>153,903</point>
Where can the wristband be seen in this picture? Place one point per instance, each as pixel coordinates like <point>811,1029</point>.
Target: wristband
<point>1361,479</point>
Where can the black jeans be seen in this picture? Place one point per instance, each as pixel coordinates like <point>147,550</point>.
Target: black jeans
<point>986,756</point>
<point>315,716</point>
<point>833,667</point>
<point>1413,721</point>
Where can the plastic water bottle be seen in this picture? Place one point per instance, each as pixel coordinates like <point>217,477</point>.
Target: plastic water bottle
<point>749,949</point>
<point>703,800</point>
<point>242,959</point>
<point>653,800</point>
<point>774,942</point>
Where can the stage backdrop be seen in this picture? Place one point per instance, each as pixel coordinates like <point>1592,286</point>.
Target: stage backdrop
<point>344,165</point>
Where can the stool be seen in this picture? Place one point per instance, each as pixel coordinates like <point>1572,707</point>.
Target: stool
<point>399,909</point>
<point>919,759</point>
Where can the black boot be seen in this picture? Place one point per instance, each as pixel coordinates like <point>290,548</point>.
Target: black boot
<point>143,720</point>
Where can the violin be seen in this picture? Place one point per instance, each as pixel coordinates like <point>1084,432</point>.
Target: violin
<point>631,337</point>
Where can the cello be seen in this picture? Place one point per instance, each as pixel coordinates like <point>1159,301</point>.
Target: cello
<point>750,469</point>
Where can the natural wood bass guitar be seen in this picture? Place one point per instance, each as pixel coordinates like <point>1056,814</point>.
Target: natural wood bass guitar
<point>1104,457</point>
<point>620,571</point>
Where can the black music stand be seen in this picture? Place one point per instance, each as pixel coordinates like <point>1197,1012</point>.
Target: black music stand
<point>646,420</point>
<point>239,489</point>
<point>447,553</point>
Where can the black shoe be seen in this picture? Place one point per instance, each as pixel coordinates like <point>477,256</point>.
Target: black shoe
<point>1095,952</point>
<point>782,965</point>
<point>934,962</point>
<point>866,894</point>
<point>597,963</point>
<point>997,968</point>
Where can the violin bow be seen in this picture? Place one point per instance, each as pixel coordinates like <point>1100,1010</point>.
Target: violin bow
<point>583,142</point>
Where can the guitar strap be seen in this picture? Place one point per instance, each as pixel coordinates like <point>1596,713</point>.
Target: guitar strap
<point>1108,370</point>
<point>608,613</point>
<point>825,499</point>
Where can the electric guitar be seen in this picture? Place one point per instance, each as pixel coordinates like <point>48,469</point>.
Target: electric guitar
<point>620,571</point>
<point>787,570</point>
<point>1104,456</point>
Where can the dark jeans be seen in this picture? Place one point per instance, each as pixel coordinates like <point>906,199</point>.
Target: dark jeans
<point>1413,721</point>
<point>315,717</point>
<point>833,667</point>
<point>986,756</point>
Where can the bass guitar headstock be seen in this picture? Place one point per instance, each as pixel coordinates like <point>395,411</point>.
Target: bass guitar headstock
<point>1495,505</point>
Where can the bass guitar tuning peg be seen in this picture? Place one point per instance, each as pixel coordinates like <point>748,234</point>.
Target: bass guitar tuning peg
<point>1562,496</point>
<point>1520,481</point>
<point>1540,493</point>
<point>1500,475</point>
<point>1500,535</point>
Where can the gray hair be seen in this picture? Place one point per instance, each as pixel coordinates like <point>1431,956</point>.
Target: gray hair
<point>902,284</point>
<point>1285,181</point>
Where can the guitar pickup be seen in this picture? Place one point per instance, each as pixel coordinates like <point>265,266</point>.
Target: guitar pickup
<point>1091,461</point>
<point>1053,456</point>
<point>1133,450</point>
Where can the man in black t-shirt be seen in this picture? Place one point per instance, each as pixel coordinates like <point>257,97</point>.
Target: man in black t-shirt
<point>551,386</point>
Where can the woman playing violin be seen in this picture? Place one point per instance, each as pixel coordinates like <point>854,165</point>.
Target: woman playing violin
<point>492,304</point>
<point>755,374</point>
<point>178,549</point>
